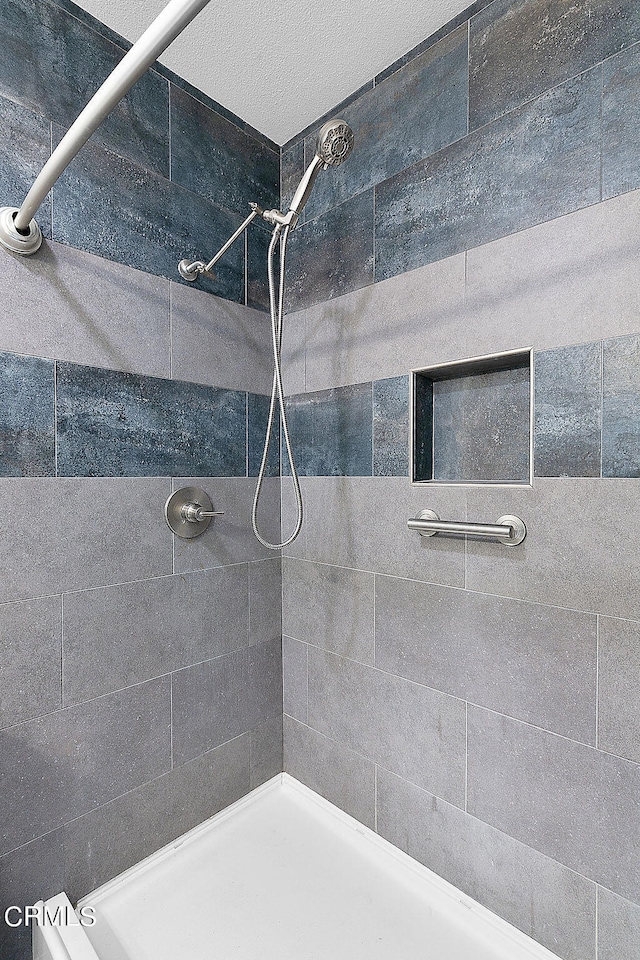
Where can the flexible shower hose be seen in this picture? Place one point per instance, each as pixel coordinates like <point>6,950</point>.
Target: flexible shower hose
<point>277,393</point>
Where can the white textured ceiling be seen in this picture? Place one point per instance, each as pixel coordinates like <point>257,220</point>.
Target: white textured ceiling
<point>280,64</point>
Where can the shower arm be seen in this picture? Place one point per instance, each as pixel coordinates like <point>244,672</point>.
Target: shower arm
<point>19,232</point>
<point>191,270</point>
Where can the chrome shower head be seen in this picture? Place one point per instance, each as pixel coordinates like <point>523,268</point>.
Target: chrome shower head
<point>335,142</point>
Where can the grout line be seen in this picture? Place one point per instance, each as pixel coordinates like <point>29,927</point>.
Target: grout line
<point>466,756</point>
<point>246,434</point>
<point>61,651</point>
<point>601,408</point>
<point>171,329</point>
<point>468,75</point>
<point>55,418</point>
<point>171,718</point>
<point>597,680</point>
<point>169,130</point>
<point>375,797</point>
<point>596,918</point>
<point>374,233</point>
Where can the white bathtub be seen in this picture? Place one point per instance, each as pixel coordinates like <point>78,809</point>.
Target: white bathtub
<point>282,875</point>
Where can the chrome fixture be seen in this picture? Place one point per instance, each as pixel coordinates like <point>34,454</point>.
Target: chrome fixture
<point>508,530</point>
<point>189,512</point>
<point>19,232</point>
<point>334,144</point>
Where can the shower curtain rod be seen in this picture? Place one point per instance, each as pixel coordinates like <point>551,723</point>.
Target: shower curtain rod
<point>19,232</point>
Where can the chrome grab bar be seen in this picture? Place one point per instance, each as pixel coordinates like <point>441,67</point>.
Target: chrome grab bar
<point>508,530</point>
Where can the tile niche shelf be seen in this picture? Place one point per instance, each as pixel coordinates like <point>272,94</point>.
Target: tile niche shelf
<point>472,421</point>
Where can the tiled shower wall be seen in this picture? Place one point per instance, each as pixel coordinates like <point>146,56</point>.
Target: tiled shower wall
<point>477,704</point>
<point>140,683</point>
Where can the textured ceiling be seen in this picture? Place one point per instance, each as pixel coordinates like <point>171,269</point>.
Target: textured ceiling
<point>279,64</point>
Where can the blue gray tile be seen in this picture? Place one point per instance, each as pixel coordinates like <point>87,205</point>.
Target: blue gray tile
<point>422,438</point>
<point>331,432</point>
<point>120,424</point>
<point>481,426</point>
<point>291,171</point>
<point>63,765</point>
<point>621,408</point>
<point>258,239</point>
<point>411,730</point>
<point>118,834</point>
<point>27,418</point>
<point>391,427</point>
<point>331,255</point>
<point>152,225</point>
<point>31,655</point>
<point>531,661</point>
<point>542,898</point>
<point>257,420</point>
<point>569,801</point>
<point>215,158</point>
<point>338,774</point>
<point>539,162</point>
<point>618,927</point>
<point>620,117</point>
<point>52,63</point>
<point>415,112</point>
<point>121,635</point>
<point>568,417</point>
<point>25,147</point>
<point>517,50</point>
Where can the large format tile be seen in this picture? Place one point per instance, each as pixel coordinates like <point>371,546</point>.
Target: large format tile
<point>409,729</point>
<point>291,170</point>
<point>266,750</point>
<point>330,607</point>
<point>78,533</point>
<point>53,63</point>
<point>71,305</point>
<point>415,112</point>
<point>538,162</point>
<point>31,654</point>
<point>24,150</point>
<point>121,424</point>
<point>618,927</point>
<point>265,600</point>
<point>558,283</point>
<point>27,417</point>
<point>547,901</point>
<point>153,225</point>
<point>620,114</point>
<point>569,801</point>
<point>568,411</point>
<point>385,329</point>
<point>33,872</point>
<point>517,50</point>
<point>295,678</point>
<point>215,158</point>
<point>230,539</point>
<point>219,343</point>
<point>258,409</point>
<point>332,254</point>
<point>391,427</point>
<point>361,522</point>
<point>533,662</point>
<point>621,407</point>
<point>618,671</point>
<point>61,766</point>
<point>580,546</point>
<point>121,635</point>
<point>331,432</point>
<point>117,835</point>
<point>332,770</point>
<point>479,426</point>
<point>218,700</point>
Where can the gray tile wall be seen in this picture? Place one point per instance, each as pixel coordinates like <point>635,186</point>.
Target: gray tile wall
<point>526,658</point>
<point>109,629</point>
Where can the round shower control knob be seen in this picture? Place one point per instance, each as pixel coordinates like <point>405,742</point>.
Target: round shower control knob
<point>189,512</point>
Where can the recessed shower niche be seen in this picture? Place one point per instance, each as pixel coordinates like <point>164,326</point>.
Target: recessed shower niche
<point>472,420</point>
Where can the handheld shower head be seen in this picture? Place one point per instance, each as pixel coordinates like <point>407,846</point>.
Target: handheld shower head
<point>334,144</point>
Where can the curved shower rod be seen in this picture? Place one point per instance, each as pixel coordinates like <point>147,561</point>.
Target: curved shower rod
<point>19,232</point>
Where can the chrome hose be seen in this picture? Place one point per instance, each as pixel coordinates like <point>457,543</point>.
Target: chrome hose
<point>276,309</point>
